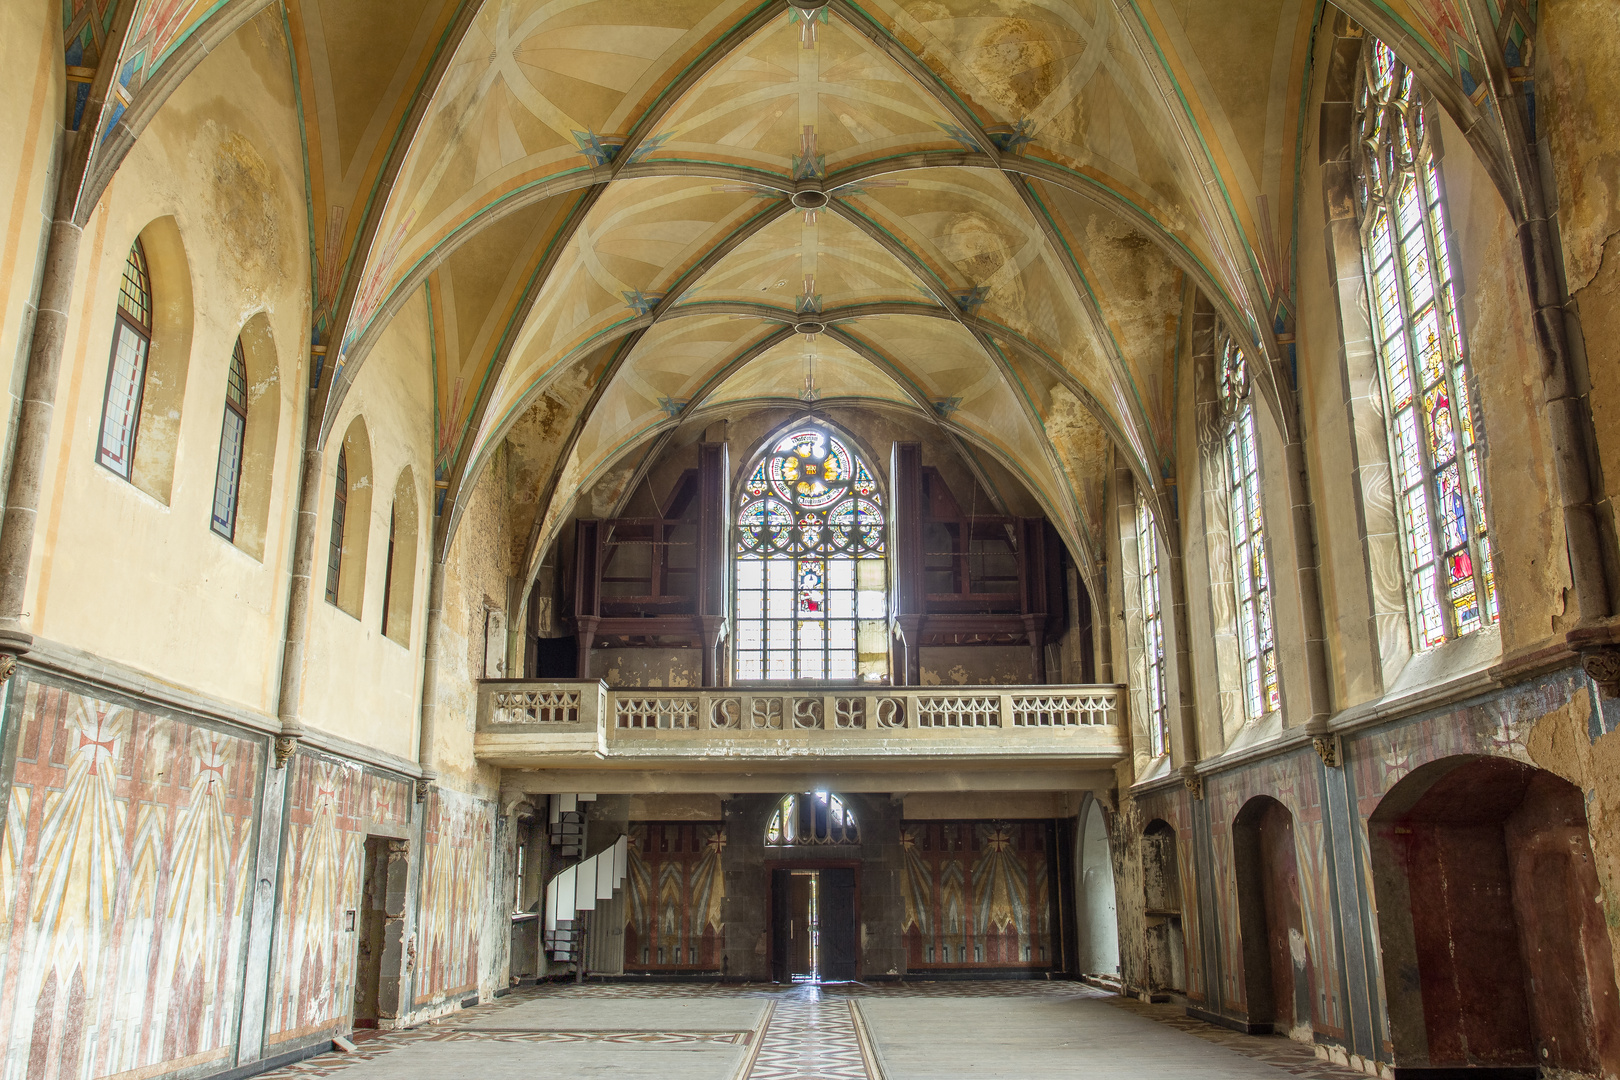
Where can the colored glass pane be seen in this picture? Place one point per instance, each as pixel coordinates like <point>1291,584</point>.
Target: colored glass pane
<point>1147,547</point>
<point>1423,357</point>
<point>1251,575</point>
<point>810,580</point>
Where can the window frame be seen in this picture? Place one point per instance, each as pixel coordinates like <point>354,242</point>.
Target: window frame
<point>237,411</point>
<point>340,507</point>
<point>742,499</point>
<point>125,322</point>
<point>1396,145</point>
<point>1244,486</point>
<point>1152,615</point>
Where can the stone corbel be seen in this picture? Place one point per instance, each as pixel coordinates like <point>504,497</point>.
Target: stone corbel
<point>8,668</point>
<point>424,784</point>
<point>1194,782</point>
<point>285,745</point>
<point>1599,647</point>
<point>1327,748</point>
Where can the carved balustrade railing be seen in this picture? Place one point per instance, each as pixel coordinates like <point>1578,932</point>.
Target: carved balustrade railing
<point>583,707</point>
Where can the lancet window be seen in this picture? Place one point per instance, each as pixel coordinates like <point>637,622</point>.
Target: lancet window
<point>232,438</point>
<point>1251,572</point>
<point>1147,547</point>
<point>126,371</point>
<point>810,571</point>
<point>1423,361</point>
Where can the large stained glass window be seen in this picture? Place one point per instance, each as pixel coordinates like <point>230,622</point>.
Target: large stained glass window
<point>1257,638</point>
<point>811,578</point>
<point>1423,358</point>
<point>1147,547</point>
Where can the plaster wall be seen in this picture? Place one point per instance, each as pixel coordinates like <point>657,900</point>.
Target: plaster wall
<point>117,572</point>
<point>358,682</point>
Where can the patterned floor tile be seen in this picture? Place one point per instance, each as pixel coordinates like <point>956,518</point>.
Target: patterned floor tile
<point>1276,1050</point>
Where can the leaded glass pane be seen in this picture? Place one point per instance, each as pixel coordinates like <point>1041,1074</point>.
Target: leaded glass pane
<point>1257,644</point>
<point>1152,628</point>
<point>1423,354</point>
<point>810,562</point>
<point>121,412</point>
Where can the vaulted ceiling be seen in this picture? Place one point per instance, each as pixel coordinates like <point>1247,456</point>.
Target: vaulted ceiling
<point>622,215</point>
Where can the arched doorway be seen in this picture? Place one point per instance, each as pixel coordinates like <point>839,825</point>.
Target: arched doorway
<point>1099,918</point>
<point>813,900</point>
<point>1276,964</point>
<point>1161,884</point>
<point>1494,946</point>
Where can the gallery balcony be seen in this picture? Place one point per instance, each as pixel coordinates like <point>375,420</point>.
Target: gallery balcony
<point>581,735</point>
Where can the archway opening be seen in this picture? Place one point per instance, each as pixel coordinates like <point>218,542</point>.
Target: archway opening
<point>1494,946</point>
<point>1099,916</point>
<point>1276,963</point>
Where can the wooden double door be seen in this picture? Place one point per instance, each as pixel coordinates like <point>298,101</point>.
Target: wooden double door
<point>813,924</point>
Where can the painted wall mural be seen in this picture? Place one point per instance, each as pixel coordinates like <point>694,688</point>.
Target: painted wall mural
<point>124,873</point>
<point>673,920</point>
<point>458,850</point>
<point>977,894</point>
<point>331,805</point>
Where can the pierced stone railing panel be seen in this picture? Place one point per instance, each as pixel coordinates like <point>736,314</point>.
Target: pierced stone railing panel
<point>534,707</point>
<point>663,713</point>
<point>959,711</point>
<point>1062,710</point>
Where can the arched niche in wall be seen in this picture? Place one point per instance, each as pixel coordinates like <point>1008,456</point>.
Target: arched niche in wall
<point>157,438</point>
<point>1161,886</point>
<point>1495,949</point>
<point>1099,916</point>
<point>259,437</point>
<point>350,522</point>
<point>399,582</point>
<point>1277,971</point>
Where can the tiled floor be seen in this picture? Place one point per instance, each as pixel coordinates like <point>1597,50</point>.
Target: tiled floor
<point>919,1031</point>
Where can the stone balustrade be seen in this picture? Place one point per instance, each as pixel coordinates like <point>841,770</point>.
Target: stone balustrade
<point>527,723</point>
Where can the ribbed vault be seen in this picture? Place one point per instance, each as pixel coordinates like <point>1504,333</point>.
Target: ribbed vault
<point>990,213</point>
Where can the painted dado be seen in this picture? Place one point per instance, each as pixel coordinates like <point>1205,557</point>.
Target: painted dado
<point>497,490</point>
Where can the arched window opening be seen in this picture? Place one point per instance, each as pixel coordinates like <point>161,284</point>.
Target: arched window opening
<point>399,576</point>
<point>813,818</point>
<point>811,577</point>
<point>126,372</point>
<point>340,513</point>
<point>232,438</point>
<point>1451,584</point>
<point>1147,547</point>
<point>1251,572</point>
<point>351,521</point>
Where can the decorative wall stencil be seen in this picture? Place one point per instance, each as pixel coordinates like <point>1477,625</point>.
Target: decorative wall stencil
<point>673,919</point>
<point>330,805</point>
<point>124,873</point>
<point>976,894</point>
<point>457,852</point>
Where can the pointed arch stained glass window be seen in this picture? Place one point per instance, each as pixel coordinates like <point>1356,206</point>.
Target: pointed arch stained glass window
<point>1251,570</point>
<point>811,577</point>
<point>1423,357</point>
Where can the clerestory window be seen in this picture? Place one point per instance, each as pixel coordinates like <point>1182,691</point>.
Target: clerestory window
<point>811,578</point>
<point>1423,361</point>
<point>1251,571</point>
<point>232,438</point>
<point>126,371</point>
<point>1147,548</point>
